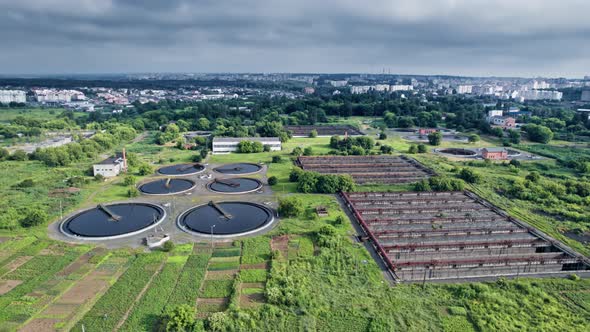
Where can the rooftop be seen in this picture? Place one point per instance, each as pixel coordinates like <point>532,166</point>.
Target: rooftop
<point>118,158</point>
<point>495,149</point>
<point>239,139</point>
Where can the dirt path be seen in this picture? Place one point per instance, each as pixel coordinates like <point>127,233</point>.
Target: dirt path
<point>139,296</point>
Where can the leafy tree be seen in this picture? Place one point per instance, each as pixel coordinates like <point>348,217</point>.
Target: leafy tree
<point>473,138</point>
<point>34,217</point>
<point>129,180</point>
<point>297,151</point>
<point>145,169</point>
<point>413,149</point>
<point>308,151</point>
<point>290,207</point>
<point>307,182</point>
<point>497,131</point>
<point>469,176</point>
<point>313,133</point>
<point>273,180</point>
<point>435,138</point>
<point>533,176</point>
<point>386,149</point>
<point>382,136</point>
<point>514,136</point>
<point>422,148</point>
<point>181,318</point>
<point>19,155</point>
<point>537,133</point>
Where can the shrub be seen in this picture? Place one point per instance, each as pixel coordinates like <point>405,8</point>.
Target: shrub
<point>473,138</point>
<point>168,246</point>
<point>99,178</point>
<point>422,148</point>
<point>197,158</point>
<point>413,149</point>
<point>382,135</point>
<point>297,151</point>
<point>132,192</point>
<point>145,169</point>
<point>533,176</point>
<point>272,180</point>
<point>313,133</point>
<point>308,151</point>
<point>276,159</point>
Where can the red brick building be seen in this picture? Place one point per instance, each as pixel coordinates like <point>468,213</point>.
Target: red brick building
<point>494,153</point>
<point>426,131</point>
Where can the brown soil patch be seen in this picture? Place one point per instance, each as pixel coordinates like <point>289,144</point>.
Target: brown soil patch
<point>252,285</point>
<point>60,309</point>
<point>251,300</point>
<point>16,263</point>
<point>254,266</point>
<point>212,275</point>
<point>40,324</point>
<point>78,263</point>
<point>280,243</point>
<point>84,290</point>
<point>218,301</point>
<point>7,285</point>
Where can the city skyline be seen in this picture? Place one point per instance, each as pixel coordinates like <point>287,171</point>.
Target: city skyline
<point>459,38</point>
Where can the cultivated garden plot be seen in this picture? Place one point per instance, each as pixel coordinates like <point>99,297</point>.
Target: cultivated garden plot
<point>455,235</point>
<point>382,169</point>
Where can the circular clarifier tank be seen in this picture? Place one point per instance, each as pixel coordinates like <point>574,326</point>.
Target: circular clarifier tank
<point>224,219</point>
<point>235,185</point>
<point>181,169</point>
<point>459,152</point>
<point>238,169</point>
<point>167,186</point>
<point>113,221</point>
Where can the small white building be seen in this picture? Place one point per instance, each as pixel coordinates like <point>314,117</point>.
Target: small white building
<point>111,167</point>
<point>230,144</point>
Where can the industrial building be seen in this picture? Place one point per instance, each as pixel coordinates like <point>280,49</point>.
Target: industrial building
<point>111,166</point>
<point>426,236</point>
<point>494,153</point>
<point>230,144</point>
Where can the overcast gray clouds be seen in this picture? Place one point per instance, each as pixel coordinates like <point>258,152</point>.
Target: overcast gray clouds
<point>464,37</point>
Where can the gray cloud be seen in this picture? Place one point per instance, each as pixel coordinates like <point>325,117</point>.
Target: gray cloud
<point>464,37</point>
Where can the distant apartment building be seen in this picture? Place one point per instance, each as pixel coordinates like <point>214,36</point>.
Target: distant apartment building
<point>381,87</point>
<point>400,87</point>
<point>540,95</point>
<point>338,84</point>
<point>464,89</point>
<point>308,90</point>
<point>112,166</point>
<point>58,96</point>
<point>505,122</point>
<point>494,153</point>
<point>585,95</point>
<point>230,144</point>
<point>12,96</point>
<point>540,85</point>
<point>359,89</point>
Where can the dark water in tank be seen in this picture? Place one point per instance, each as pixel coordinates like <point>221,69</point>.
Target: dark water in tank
<point>239,168</point>
<point>241,185</point>
<point>244,217</point>
<point>159,186</point>
<point>96,223</point>
<point>181,169</point>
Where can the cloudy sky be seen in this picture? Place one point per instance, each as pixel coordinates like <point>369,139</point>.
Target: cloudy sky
<point>459,37</point>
